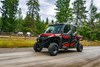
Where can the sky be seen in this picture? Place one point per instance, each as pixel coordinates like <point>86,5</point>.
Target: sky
<point>47,7</point>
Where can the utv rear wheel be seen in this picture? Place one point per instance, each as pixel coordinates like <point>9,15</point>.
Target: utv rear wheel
<point>53,49</point>
<point>37,48</point>
<point>79,47</point>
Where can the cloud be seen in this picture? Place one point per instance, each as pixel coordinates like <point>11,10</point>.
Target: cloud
<point>97,4</point>
<point>23,6</point>
<point>47,9</point>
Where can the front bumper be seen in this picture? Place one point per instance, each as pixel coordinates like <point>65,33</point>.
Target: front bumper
<point>43,41</point>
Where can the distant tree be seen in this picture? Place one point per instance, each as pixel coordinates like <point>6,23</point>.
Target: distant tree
<point>85,31</point>
<point>64,12</point>
<point>0,23</point>
<point>19,13</point>
<point>97,16</point>
<point>33,12</point>
<point>91,29</point>
<point>93,13</point>
<point>92,22</point>
<point>9,10</point>
<point>33,8</point>
<point>98,26</point>
<point>47,21</point>
<point>52,22</point>
<point>19,21</point>
<point>28,23</point>
<point>40,25</point>
<point>80,11</point>
<point>45,25</point>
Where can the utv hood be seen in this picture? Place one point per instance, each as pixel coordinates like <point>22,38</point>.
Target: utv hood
<point>49,34</point>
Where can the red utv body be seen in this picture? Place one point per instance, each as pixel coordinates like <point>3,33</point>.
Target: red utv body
<point>58,36</point>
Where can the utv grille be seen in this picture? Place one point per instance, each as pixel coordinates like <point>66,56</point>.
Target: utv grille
<point>43,39</point>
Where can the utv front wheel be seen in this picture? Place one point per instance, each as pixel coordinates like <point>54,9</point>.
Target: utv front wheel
<point>53,49</point>
<point>37,47</point>
<point>79,47</point>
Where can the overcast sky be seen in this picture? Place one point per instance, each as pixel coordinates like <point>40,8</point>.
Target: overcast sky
<point>47,7</point>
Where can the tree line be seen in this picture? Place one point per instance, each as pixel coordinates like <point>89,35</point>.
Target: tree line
<point>13,21</point>
<point>87,21</point>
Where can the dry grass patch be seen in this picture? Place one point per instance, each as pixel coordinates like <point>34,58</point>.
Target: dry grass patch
<point>16,42</point>
<point>90,43</point>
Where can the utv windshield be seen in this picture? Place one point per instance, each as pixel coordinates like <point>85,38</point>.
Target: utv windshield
<point>54,29</point>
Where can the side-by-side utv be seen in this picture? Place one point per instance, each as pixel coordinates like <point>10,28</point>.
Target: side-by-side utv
<point>58,36</point>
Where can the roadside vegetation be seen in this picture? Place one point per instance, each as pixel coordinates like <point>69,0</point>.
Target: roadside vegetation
<point>16,42</point>
<point>90,43</point>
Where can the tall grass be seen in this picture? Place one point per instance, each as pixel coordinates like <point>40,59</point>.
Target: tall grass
<point>16,42</point>
<point>90,43</point>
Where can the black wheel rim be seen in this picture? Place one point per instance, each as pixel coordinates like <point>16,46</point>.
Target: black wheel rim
<point>38,47</point>
<point>81,47</point>
<point>55,49</point>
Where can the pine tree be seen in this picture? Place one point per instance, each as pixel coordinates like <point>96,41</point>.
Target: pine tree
<point>98,26</point>
<point>92,22</point>
<point>47,21</point>
<point>33,12</point>
<point>28,27</point>
<point>40,25</point>
<point>79,11</point>
<point>9,10</point>
<point>93,12</point>
<point>0,24</point>
<point>97,16</point>
<point>33,8</point>
<point>52,22</point>
<point>64,12</point>
<point>19,21</point>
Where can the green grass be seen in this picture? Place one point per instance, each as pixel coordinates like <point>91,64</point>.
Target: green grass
<point>16,42</point>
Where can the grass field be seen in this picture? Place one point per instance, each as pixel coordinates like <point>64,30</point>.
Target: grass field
<point>18,42</point>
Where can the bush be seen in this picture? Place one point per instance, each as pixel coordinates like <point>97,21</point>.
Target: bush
<point>89,33</point>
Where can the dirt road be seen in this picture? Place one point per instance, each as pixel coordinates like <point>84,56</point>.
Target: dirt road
<point>26,57</point>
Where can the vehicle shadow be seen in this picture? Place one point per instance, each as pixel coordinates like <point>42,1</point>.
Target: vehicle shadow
<point>60,52</point>
<point>67,51</point>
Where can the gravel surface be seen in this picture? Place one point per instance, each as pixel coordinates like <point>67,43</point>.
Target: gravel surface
<point>26,57</point>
